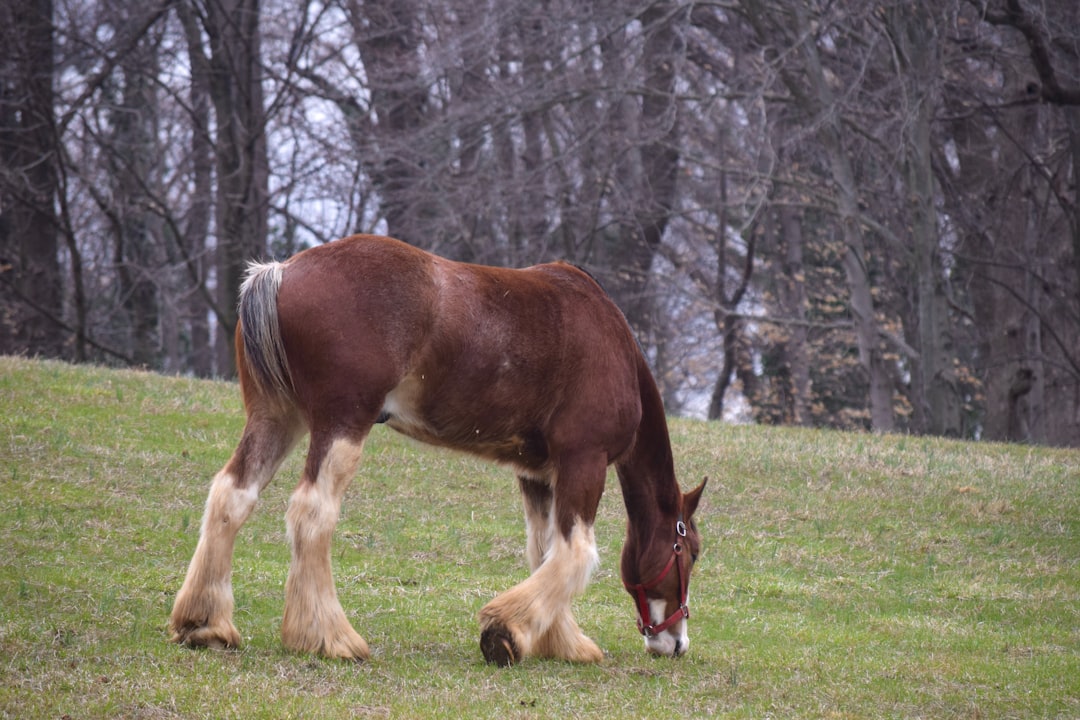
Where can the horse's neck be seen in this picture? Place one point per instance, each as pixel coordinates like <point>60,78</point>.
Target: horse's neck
<point>647,472</point>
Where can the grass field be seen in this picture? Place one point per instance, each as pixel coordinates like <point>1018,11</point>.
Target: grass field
<point>843,576</point>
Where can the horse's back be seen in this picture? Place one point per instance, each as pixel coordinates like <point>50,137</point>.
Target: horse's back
<point>505,363</point>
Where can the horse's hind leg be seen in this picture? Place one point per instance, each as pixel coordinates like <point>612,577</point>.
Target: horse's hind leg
<point>314,620</point>
<point>202,613</point>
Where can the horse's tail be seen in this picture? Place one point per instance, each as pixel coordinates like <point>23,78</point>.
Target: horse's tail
<point>264,351</point>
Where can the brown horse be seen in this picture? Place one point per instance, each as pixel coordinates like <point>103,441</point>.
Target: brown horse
<point>535,368</point>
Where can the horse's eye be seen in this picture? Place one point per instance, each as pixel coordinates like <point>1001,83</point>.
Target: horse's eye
<point>693,559</point>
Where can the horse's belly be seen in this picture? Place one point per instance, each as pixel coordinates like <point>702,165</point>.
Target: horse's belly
<point>475,430</point>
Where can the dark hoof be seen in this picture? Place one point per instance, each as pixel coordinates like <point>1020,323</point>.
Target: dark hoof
<point>498,647</point>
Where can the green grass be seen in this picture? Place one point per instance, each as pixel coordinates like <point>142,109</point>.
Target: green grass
<point>843,575</point>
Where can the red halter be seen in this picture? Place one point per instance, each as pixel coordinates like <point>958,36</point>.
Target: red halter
<point>647,628</point>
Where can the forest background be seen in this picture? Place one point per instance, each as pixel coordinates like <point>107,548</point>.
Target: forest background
<point>832,213</point>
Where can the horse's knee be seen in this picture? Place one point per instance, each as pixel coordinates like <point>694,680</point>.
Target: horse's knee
<point>573,560</point>
<point>228,505</point>
<point>310,519</point>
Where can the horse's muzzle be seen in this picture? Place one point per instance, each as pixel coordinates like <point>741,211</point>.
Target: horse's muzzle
<point>670,643</point>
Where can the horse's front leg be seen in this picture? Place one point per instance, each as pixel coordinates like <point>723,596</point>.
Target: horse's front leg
<point>534,618</point>
<point>539,499</point>
<point>314,620</point>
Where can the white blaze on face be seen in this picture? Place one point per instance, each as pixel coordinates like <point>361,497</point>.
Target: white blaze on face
<point>672,642</point>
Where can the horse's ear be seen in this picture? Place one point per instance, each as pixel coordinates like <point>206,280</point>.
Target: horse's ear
<point>690,500</point>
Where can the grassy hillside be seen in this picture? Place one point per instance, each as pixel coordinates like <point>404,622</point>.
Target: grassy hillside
<point>843,575</point>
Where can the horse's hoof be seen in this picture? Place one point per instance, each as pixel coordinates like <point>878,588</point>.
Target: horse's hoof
<point>499,647</point>
<point>215,638</point>
<point>349,647</point>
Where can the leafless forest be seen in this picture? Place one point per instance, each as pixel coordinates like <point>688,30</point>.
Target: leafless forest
<point>834,213</point>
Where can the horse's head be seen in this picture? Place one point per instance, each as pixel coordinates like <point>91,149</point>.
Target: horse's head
<point>658,579</point>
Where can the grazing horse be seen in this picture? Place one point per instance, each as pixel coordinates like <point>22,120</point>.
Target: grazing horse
<point>535,369</point>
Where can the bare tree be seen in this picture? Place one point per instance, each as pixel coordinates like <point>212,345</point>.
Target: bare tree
<point>230,67</point>
<point>130,155</point>
<point>1009,180</point>
<point>30,275</point>
<point>855,214</point>
<point>813,90</point>
<point>913,32</point>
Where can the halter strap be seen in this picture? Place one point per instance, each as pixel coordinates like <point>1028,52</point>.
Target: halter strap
<point>644,620</point>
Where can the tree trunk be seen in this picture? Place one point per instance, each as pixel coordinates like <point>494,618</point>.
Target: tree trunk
<point>936,398</point>
<point>793,301</point>
<point>860,300</point>
<point>30,280</point>
<point>530,224</point>
<point>193,241</point>
<point>136,232</point>
<point>240,154</point>
<point>1072,119</point>
<point>650,179</point>
<point>727,300</point>
<point>387,35</point>
<point>813,95</point>
<point>1034,352</point>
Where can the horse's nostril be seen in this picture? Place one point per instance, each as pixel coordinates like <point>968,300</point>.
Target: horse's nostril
<point>678,648</point>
